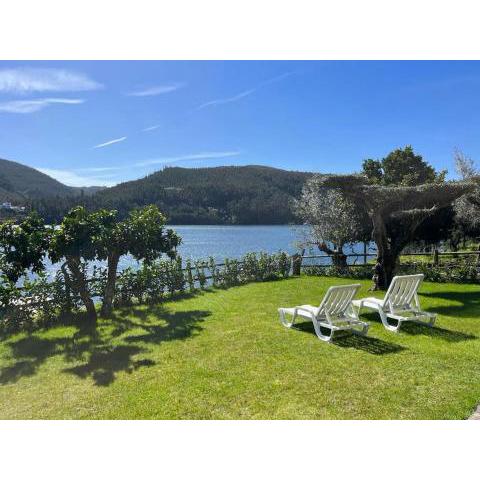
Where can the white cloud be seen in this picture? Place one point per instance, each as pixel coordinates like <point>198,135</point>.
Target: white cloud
<point>194,156</point>
<point>110,142</point>
<point>28,80</point>
<point>69,177</point>
<point>246,93</point>
<point>221,101</point>
<point>149,129</point>
<point>34,105</point>
<point>157,90</point>
<point>99,169</point>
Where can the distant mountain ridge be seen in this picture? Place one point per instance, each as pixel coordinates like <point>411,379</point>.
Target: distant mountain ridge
<point>251,194</point>
<point>238,195</point>
<point>20,183</point>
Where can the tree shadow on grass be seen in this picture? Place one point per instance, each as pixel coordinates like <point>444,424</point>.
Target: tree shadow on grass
<point>371,345</point>
<point>102,351</point>
<point>464,304</point>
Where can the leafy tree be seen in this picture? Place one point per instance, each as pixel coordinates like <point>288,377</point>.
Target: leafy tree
<point>401,167</point>
<point>332,219</point>
<point>142,235</point>
<point>76,241</point>
<point>23,246</point>
<point>396,211</point>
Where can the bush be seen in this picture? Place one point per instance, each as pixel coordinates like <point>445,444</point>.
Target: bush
<point>460,271</point>
<point>41,302</point>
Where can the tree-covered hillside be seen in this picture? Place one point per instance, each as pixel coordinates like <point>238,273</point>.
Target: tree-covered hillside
<point>19,182</point>
<point>219,195</point>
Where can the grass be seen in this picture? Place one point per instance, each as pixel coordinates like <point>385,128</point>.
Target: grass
<point>224,355</point>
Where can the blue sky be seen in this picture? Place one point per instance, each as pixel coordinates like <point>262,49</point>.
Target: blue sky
<point>100,123</point>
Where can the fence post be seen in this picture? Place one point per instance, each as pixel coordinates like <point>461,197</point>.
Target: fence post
<point>296,264</point>
<point>364,253</point>
<point>435,256</point>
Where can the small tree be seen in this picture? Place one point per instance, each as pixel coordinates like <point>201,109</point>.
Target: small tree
<point>142,235</point>
<point>83,237</point>
<point>332,219</point>
<point>75,242</point>
<point>23,246</point>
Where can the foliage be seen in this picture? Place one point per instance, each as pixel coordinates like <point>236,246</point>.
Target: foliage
<point>458,271</point>
<point>23,246</point>
<point>401,167</point>
<point>219,195</point>
<point>361,272</point>
<point>39,303</point>
<point>83,237</point>
<point>396,211</point>
<point>467,207</point>
<point>331,217</point>
<point>153,282</point>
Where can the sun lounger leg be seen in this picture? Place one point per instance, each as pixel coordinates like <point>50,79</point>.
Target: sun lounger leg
<point>388,326</point>
<point>320,335</point>
<point>363,331</point>
<point>283,319</point>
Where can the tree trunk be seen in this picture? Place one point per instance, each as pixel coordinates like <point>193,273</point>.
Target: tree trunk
<point>109,294</point>
<point>339,259</point>
<point>386,257</point>
<point>80,284</point>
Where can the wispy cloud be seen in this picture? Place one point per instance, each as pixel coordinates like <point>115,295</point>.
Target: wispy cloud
<point>110,142</point>
<point>30,80</point>
<point>245,93</point>
<point>99,169</point>
<point>73,179</point>
<point>157,90</point>
<point>159,161</point>
<point>34,105</point>
<point>194,156</point>
<point>153,127</point>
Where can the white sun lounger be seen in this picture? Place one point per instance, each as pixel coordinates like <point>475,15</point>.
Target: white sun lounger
<point>400,303</point>
<point>335,313</point>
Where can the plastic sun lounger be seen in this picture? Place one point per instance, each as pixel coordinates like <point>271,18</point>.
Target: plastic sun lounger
<point>400,303</point>
<point>335,313</point>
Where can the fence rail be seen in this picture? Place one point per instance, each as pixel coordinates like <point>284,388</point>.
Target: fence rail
<point>435,260</point>
<point>435,257</point>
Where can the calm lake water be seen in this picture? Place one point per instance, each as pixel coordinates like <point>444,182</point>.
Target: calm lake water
<point>218,241</point>
<point>228,241</point>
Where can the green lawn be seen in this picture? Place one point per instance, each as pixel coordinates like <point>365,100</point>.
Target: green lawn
<point>224,355</point>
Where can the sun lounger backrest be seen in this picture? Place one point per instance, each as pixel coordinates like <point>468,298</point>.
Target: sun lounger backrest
<point>402,290</point>
<point>337,299</point>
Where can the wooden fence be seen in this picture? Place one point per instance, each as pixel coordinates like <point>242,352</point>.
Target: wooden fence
<point>433,258</point>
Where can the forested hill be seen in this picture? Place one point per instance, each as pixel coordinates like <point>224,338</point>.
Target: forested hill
<point>231,195</point>
<point>19,184</point>
<point>218,195</point>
